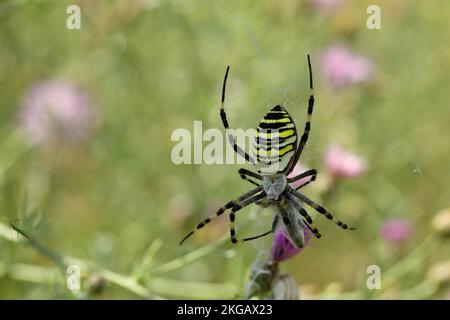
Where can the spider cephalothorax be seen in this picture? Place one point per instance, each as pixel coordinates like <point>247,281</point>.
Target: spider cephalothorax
<point>276,150</point>
<point>274,186</point>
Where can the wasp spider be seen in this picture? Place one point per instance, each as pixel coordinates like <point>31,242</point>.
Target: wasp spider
<point>277,152</point>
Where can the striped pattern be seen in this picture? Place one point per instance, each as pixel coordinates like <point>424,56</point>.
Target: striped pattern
<point>309,223</point>
<point>275,142</point>
<point>223,116</point>
<point>307,129</point>
<point>319,209</point>
<point>235,205</point>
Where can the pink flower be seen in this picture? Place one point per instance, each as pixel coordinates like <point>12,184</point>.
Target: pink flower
<point>298,169</point>
<point>282,248</point>
<point>342,163</point>
<point>326,6</point>
<point>342,68</point>
<point>56,111</point>
<point>396,230</point>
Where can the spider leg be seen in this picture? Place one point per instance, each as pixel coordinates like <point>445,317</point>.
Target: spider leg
<point>306,220</point>
<point>284,216</point>
<point>307,128</point>
<point>221,210</point>
<point>319,209</point>
<point>272,230</point>
<point>244,173</point>
<point>223,116</point>
<point>310,173</point>
<point>238,206</point>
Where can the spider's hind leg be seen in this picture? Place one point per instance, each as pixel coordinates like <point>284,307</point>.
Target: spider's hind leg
<point>272,230</point>
<point>309,223</point>
<point>239,206</point>
<point>319,209</point>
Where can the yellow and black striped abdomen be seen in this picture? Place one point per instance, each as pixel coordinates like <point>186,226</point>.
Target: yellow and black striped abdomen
<point>275,142</point>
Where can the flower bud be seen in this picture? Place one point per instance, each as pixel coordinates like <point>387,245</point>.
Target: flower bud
<point>284,287</point>
<point>282,247</point>
<point>441,222</point>
<point>440,273</point>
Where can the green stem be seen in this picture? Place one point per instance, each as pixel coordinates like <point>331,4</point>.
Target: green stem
<point>125,282</point>
<point>13,146</point>
<point>8,233</point>
<point>29,273</point>
<point>42,249</point>
<point>422,291</point>
<point>192,290</point>
<point>148,259</point>
<point>150,290</point>
<point>188,258</point>
<point>412,261</point>
<point>406,265</point>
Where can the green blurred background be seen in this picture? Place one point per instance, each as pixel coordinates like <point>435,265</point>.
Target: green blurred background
<point>150,67</point>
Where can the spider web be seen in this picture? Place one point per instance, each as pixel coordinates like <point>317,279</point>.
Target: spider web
<point>294,97</point>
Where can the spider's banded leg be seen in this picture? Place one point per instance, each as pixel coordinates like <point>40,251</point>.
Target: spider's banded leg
<point>312,173</point>
<point>307,220</point>
<point>239,206</point>
<point>272,230</point>
<point>249,180</point>
<point>306,183</point>
<point>223,116</point>
<point>244,174</point>
<point>319,209</point>
<point>305,135</point>
<point>219,212</point>
<point>284,216</point>
<point>309,223</point>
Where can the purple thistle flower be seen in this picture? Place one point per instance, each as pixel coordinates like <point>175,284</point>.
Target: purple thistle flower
<point>56,111</point>
<point>396,230</point>
<point>342,68</point>
<point>342,163</point>
<point>282,247</point>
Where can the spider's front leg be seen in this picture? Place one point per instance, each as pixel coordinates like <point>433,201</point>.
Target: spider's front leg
<point>223,117</point>
<point>310,173</point>
<point>244,174</point>
<point>307,129</point>
<point>236,205</point>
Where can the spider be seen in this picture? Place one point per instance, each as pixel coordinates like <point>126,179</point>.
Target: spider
<point>277,153</point>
